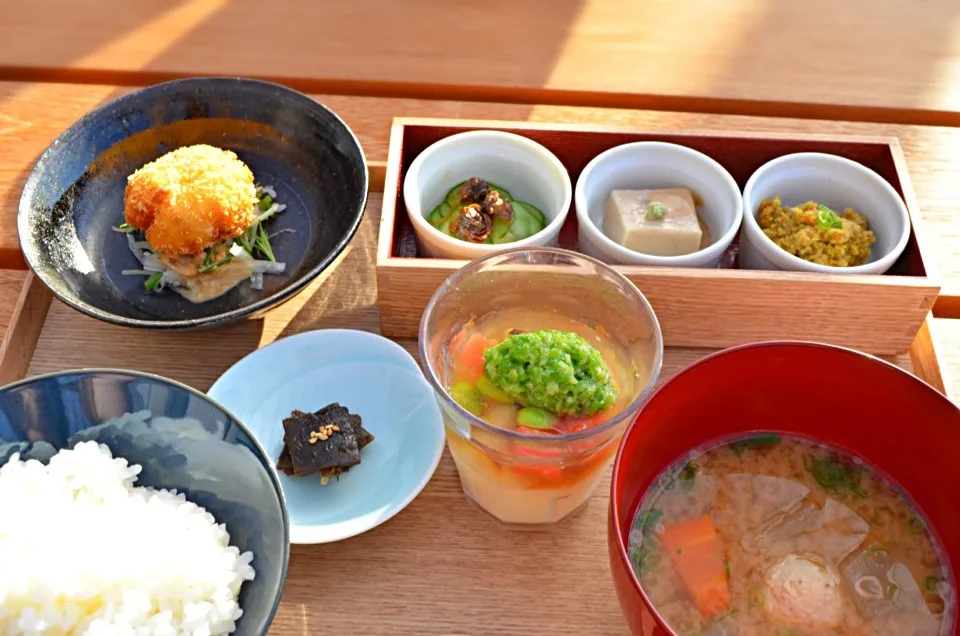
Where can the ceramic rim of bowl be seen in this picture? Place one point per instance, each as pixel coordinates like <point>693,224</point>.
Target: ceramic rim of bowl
<point>271,470</point>
<point>711,251</point>
<point>888,259</point>
<point>615,500</point>
<point>264,304</point>
<point>453,281</point>
<point>535,149</point>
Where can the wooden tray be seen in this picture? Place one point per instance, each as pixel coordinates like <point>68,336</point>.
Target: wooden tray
<point>696,307</point>
<point>440,567</point>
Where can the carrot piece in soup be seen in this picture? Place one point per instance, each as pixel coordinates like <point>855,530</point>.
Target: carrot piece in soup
<point>697,555</point>
<point>470,359</point>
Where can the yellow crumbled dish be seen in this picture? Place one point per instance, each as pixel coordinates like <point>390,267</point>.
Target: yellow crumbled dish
<point>816,234</point>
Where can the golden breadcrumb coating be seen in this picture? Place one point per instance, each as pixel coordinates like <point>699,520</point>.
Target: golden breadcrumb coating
<point>190,199</point>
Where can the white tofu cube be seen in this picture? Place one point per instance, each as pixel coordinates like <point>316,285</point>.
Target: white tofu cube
<point>675,233</point>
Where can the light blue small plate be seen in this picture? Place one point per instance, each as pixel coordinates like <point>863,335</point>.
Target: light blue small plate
<point>371,376</point>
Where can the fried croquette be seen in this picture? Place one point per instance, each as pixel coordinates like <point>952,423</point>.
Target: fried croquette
<point>190,199</point>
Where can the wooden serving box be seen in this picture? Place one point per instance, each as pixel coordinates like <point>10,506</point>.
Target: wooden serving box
<point>696,307</point>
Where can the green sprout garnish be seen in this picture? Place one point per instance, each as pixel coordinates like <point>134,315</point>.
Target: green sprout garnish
<point>265,203</point>
<point>262,243</point>
<point>827,218</point>
<point>256,239</point>
<point>151,283</point>
<point>656,210</point>
<point>209,255</point>
<point>209,267</point>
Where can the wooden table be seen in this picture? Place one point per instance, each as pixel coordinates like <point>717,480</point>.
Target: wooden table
<point>883,60</point>
<point>16,340</point>
<point>747,65</point>
<point>493,582</point>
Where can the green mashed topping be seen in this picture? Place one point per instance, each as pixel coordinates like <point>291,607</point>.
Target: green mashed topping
<point>552,370</point>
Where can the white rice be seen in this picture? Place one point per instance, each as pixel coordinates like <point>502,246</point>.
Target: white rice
<point>84,551</point>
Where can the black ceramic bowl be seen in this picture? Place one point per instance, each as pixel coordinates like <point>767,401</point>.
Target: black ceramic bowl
<point>182,439</point>
<point>74,196</point>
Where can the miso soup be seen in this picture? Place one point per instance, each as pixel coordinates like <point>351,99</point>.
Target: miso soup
<point>779,536</point>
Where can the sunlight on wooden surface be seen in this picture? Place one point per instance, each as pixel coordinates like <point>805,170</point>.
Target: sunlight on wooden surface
<point>809,58</point>
<point>703,40</point>
<point>945,91</point>
<point>140,46</point>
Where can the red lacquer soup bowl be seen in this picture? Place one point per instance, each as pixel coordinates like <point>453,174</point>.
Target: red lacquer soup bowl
<point>895,422</point>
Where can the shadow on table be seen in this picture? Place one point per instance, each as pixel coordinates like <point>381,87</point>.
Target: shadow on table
<point>369,46</point>
<point>345,294</point>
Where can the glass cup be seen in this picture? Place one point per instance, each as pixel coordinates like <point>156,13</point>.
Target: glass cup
<point>525,478</point>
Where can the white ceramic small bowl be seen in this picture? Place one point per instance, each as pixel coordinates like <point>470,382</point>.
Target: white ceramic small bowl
<point>837,183</point>
<point>652,164</point>
<point>530,172</point>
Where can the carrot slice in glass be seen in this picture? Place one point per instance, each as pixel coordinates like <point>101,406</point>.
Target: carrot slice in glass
<point>470,360</point>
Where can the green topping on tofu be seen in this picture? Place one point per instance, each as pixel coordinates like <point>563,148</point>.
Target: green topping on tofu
<point>656,210</point>
<point>556,371</point>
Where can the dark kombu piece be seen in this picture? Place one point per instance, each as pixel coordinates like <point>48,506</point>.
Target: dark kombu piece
<point>327,442</point>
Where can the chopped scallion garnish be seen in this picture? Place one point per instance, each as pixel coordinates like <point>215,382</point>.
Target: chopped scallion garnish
<point>689,471</point>
<point>757,441</point>
<point>646,558</point>
<point>647,520</point>
<point>869,553</point>
<point>835,475</point>
<point>758,598</point>
<point>722,617</point>
<point>916,525</point>
<point>265,203</point>
<point>893,592</point>
<point>827,218</point>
